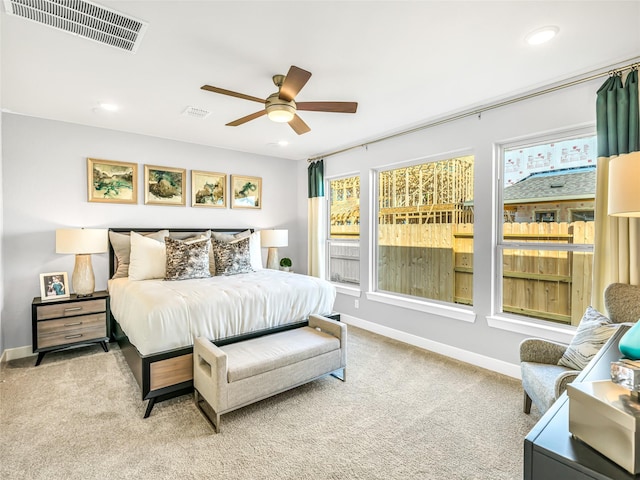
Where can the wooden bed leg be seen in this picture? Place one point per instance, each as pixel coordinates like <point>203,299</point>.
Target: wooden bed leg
<point>150,405</point>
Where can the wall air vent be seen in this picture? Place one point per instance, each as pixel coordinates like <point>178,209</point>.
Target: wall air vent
<point>82,18</point>
<point>196,112</point>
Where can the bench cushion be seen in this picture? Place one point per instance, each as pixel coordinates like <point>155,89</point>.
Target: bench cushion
<point>263,354</point>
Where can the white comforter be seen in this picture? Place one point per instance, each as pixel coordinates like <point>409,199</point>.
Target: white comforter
<point>160,315</point>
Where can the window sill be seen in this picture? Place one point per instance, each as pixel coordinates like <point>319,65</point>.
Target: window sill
<point>465,314</point>
<point>351,291</point>
<point>533,328</point>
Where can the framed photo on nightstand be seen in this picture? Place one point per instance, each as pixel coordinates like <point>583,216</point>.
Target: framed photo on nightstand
<point>54,286</point>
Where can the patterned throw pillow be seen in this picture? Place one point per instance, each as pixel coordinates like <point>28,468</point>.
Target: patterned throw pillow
<point>233,257</point>
<point>187,258</point>
<point>593,332</point>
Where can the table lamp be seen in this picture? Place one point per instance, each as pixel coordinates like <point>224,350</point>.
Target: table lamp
<point>624,201</point>
<point>272,239</point>
<point>82,242</point>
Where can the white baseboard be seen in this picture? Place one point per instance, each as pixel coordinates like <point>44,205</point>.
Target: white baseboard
<point>16,353</point>
<point>476,359</point>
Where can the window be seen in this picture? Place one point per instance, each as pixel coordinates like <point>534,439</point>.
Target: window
<point>582,215</point>
<point>545,244</point>
<point>545,216</point>
<point>425,230</point>
<point>344,230</point>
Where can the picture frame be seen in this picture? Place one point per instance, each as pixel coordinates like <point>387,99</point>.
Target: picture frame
<point>54,286</point>
<point>208,189</point>
<point>246,192</point>
<point>110,181</point>
<point>164,186</point>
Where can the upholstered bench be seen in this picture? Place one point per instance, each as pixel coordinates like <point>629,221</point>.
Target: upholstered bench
<point>238,374</point>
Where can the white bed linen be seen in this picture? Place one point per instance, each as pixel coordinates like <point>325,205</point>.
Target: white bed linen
<point>159,315</point>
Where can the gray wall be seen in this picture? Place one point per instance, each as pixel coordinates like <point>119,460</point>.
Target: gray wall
<point>573,107</point>
<point>44,182</point>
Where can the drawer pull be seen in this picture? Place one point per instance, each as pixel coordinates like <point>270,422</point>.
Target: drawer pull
<point>72,324</point>
<point>78,335</point>
<point>72,309</point>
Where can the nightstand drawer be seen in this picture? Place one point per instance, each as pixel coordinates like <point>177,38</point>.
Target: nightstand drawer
<point>63,331</point>
<point>69,309</point>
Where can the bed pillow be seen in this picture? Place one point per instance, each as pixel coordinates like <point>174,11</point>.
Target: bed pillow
<point>255,252</point>
<point>230,237</point>
<point>232,258</point>
<point>148,258</point>
<point>187,258</point>
<point>189,236</point>
<point>121,244</point>
<point>593,332</point>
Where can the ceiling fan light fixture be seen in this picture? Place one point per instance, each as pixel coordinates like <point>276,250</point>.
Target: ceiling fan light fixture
<point>281,113</point>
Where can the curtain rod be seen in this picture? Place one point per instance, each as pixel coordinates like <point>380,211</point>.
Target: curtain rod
<point>611,71</point>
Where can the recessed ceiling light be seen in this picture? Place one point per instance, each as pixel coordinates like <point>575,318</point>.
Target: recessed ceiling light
<point>542,35</point>
<point>110,107</point>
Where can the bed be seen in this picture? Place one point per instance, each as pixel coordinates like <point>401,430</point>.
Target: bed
<point>155,320</point>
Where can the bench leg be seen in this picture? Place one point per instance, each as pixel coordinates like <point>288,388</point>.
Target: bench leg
<point>343,377</point>
<point>526,407</point>
<point>214,423</point>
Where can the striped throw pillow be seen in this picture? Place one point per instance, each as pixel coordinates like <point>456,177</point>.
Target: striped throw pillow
<point>593,332</point>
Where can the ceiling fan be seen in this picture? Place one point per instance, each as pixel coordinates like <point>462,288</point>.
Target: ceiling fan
<point>281,107</point>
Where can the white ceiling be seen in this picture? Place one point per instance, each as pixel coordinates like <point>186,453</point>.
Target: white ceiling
<point>403,62</point>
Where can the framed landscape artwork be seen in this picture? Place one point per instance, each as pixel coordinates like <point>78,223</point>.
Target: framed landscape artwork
<point>112,182</point>
<point>164,185</point>
<point>208,189</point>
<point>54,286</point>
<point>246,192</point>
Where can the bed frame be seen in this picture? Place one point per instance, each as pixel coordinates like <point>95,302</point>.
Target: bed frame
<point>169,374</point>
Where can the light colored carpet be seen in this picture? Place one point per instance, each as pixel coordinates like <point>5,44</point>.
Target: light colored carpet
<point>403,414</point>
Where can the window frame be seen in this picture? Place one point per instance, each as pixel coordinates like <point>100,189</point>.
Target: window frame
<point>454,311</point>
<point>344,288</point>
<point>511,321</point>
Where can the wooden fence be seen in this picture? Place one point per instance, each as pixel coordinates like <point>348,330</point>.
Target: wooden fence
<point>436,261</point>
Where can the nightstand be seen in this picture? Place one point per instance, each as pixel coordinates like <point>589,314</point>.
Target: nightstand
<point>61,324</point>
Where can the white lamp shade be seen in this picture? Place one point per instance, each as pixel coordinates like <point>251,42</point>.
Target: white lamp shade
<point>274,238</point>
<point>82,240</point>
<point>624,188</point>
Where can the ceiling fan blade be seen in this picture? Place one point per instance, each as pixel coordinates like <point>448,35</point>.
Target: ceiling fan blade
<point>294,81</point>
<point>232,94</point>
<point>246,119</point>
<point>298,125</point>
<point>337,107</point>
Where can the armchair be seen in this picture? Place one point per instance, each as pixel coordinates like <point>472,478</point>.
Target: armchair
<point>543,380</point>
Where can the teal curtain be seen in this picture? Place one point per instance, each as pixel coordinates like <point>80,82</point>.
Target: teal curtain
<point>618,116</point>
<point>616,255</point>
<point>316,179</point>
<point>317,220</point>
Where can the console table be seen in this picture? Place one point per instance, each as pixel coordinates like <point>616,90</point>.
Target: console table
<point>550,452</point>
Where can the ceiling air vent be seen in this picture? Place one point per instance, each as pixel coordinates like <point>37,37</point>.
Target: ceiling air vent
<point>196,112</point>
<point>82,18</point>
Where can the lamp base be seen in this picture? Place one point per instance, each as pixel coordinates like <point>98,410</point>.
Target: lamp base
<point>272,258</point>
<point>83,279</point>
